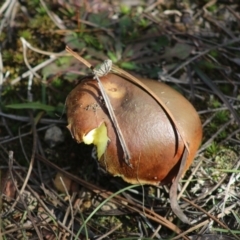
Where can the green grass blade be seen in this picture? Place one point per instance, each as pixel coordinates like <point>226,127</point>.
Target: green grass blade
<point>32,105</point>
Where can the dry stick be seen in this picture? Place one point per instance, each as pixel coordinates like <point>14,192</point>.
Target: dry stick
<point>126,152</point>
<point>108,104</point>
<point>173,196</point>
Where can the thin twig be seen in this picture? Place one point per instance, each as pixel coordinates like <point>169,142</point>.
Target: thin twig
<point>20,193</point>
<point>110,232</point>
<point>126,152</point>
<point>132,206</point>
<point>53,17</point>
<point>70,205</point>
<point>27,119</point>
<point>235,40</point>
<point>23,135</point>
<point>228,186</point>
<point>210,216</point>
<point>108,104</point>
<point>36,68</point>
<point>190,178</point>
<point>210,140</point>
<point>37,50</point>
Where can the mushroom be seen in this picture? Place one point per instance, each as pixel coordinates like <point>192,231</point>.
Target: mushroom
<point>156,145</point>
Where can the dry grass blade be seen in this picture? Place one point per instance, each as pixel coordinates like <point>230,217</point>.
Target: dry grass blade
<point>110,232</point>
<point>135,207</point>
<point>127,155</point>
<point>215,89</point>
<point>212,217</point>
<point>78,57</point>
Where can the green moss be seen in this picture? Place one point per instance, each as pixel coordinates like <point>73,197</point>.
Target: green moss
<point>224,160</point>
<point>43,24</point>
<point>222,116</point>
<point>26,33</point>
<point>212,149</point>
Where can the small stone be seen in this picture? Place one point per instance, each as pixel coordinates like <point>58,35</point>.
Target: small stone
<point>53,136</point>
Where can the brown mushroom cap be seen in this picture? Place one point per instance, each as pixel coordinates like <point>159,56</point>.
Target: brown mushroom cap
<point>154,143</point>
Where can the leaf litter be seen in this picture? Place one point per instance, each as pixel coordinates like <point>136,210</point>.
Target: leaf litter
<point>31,204</point>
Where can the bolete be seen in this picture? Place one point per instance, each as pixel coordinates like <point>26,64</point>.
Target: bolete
<point>153,140</point>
